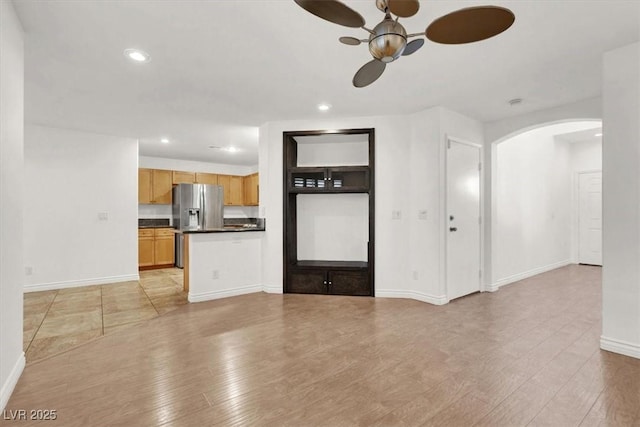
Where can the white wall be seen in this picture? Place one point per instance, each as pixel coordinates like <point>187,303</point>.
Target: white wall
<point>586,156</point>
<point>71,178</point>
<point>408,167</point>
<point>191,166</point>
<point>164,211</point>
<point>532,218</point>
<point>333,227</point>
<point>234,257</point>
<point>621,208</point>
<point>11,194</point>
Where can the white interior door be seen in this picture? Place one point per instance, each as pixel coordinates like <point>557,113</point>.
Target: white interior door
<point>590,218</point>
<point>463,219</point>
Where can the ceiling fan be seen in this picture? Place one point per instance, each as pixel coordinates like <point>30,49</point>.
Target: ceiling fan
<point>388,39</point>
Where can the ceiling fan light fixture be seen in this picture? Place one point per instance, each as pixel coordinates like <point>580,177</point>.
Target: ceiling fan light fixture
<point>388,41</point>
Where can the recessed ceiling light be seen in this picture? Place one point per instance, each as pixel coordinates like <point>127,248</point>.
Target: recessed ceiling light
<point>232,149</point>
<point>164,140</point>
<point>324,107</point>
<point>598,134</point>
<point>137,55</point>
<point>515,101</point>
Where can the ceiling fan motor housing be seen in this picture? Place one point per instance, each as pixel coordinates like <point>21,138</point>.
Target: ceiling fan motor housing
<point>388,40</point>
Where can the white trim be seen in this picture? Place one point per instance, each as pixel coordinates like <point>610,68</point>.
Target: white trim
<point>526,274</point>
<point>84,282</point>
<point>272,289</point>
<point>621,347</point>
<point>12,380</point>
<point>207,296</point>
<point>418,296</point>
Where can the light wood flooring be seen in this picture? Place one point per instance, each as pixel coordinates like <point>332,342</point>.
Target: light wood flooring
<point>525,355</point>
<point>55,321</point>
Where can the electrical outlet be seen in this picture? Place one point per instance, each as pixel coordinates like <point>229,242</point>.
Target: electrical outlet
<point>396,214</point>
<point>422,214</point>
<point>28,271</point>
<point>215,275</point>
<point>103,216</point>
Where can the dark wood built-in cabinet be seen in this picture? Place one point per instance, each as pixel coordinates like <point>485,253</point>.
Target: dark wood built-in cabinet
<point>327,276</point>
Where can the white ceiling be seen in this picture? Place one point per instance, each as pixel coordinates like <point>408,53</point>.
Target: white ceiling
<point>219,69</point>
<point>588,135</point>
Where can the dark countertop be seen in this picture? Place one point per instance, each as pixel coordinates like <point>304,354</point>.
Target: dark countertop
<point>221,230</point>
<point>154,226</point>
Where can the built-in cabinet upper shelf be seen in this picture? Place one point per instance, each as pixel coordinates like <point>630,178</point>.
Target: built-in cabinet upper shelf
<point>339,179</point>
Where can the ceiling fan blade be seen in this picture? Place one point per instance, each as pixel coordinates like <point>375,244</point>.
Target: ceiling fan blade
<point>403,8</point>
<point>412,46</point>
<point>369,73</point>
<point>470,25</point>
<point>333,11</point>
<point>351,41</point>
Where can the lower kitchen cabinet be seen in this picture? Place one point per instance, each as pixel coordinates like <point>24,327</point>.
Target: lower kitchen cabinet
<point>145,248</point>
<point>330,281</point>
<point>164,246</point>
<point>156,247</point>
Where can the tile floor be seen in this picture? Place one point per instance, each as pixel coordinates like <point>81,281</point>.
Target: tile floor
<point>55,321</point>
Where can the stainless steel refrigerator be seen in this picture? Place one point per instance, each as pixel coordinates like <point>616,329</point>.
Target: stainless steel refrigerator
<point>196,207</point>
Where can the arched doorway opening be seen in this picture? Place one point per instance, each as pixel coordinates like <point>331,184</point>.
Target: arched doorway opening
<point>536,204</point>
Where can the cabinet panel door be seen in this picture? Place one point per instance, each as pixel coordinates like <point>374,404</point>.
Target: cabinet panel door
<point>164,250</point>
<point>206,178</point>
<point>349,283</point>
<point>307,282</point>
<point>162,187</point>
<point>144,186</point>
<point>251,190</point>
<point>225,181</point>
<point>145,251</point>
<point>180,177</point>
<point>237,191</point>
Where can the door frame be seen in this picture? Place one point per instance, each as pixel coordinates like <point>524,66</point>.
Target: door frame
<point>575,214</point>
<point>443,212</point>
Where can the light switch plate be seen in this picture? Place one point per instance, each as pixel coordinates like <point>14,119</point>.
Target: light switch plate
<point>103,216</point>
<point>396,214</point>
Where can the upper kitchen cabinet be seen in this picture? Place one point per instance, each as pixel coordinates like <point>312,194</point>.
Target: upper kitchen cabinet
<point>233,189</point>
<point>206,178</point>
<point>154,186</point>
<point>251,190</point>
<point>180,177</point>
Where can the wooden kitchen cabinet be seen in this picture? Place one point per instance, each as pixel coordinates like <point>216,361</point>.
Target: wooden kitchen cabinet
<point>237,191</point>
<point>206,178</point>
<point>145,248</point>
<point>251,190</point>
<point>180,177</point>
<point>154,186</point>
<point>164,246</point>
<point>156,247</point>
<point>233,189</point>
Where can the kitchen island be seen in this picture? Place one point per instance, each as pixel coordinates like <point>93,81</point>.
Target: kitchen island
<point>222,262</point>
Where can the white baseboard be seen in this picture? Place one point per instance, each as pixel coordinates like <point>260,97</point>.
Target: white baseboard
<point>12,380</point>
<point>272,289</point>
<point>526,274</point>
<point>207,296</point>
<point>419,296</point>
<point>621,347</point>
<point>78,283</point>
